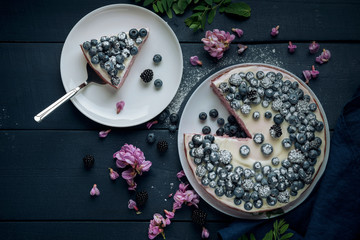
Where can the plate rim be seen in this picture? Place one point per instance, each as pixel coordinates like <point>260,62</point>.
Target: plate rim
<point>93,116</point>
<point>215,204</point>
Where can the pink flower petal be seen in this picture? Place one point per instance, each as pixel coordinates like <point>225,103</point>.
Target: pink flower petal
<point>238,31</point>
<point>131,204</point>
<point>307,76</point>
<point>119,106</point>
<point>241,49</point>
<point>94,191</point>
<point>180,174</point>
<point>113,175</point>
<point>205,233</point>
<point>291,47</point>
<point>128,174</point>
<point>314,73</point>
<point>103,134</point>
<point>275,31</point>
<point>314,47</point>
<point>194,60</point>
<point>149,124</point>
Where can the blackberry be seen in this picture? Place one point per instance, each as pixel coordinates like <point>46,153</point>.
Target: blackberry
<point>252,95</point>
<point>147,75</point>
<point>198,216</point>
<point>141,198</point>
<point>88,161</point>
<point>275,131</point>
<point>162,146</point>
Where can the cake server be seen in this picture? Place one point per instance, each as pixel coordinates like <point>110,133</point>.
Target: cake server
<point>92,77</point>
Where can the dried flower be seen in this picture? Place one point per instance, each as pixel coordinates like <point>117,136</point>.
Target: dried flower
<point>307,75</point>
<point>185,196</point>
<point>119,106</point>
<point>132,205</point>
<point>113,174</point>
<point>275,31</point>
<point>94,191</point>
<point>238,31</point>
<point>180,174</point>
<point>194,60</point>
<point>242,48</point>
<point>217,42</point>
<point>205,233</point>
<point>103,134</point>
<point>314,73</point>
<point>291,47</point>
<point>324,56</point>
<point>314,47</point>
<point>149,124</point>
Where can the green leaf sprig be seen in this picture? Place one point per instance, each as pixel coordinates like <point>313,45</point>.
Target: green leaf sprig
<point>277,233</point>
<point>203,10</point>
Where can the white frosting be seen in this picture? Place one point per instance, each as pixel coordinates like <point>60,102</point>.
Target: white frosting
<point>262,125</point>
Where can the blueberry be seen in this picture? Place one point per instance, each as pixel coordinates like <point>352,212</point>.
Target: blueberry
<point>278,119</point>
<point>244,150</point>
<point>249,76</point>
<point>319,126</point>
<point>286,142</point>
<point>172,128</point>
<point>219,191</point>
<point>269,92</point>
<point>294,85</point>
<point>151,138</point>
<point>256,115</point>
<point>133,33</point>
<point>300,138</point>
<point>134,50</point>
<point>285,163</point>
<point>106,45</point>
<point>142,32</point>
<point>95,59</point>
<point>307,98</point>
<point>87,45</point>
<point>260,75</point>
<point>92,51</point>
<point>291,129</point>
<point>213,113</point>
<point>174,118</point>
<point>231,119</point>
<point>211,138</point>
<point>266,149</point>
<point>206,130</point>
<point>237,201</point>
<point>202,116</point>
<point>157,58</point>
<point>158,83</point>
<point>243,89</point>
<point>275,161</point>
<point>279,76</point>
<point>293,98</point>
<point>220,132</point>
<point>246,196</point>
<point>271,201</point>
<point>268,114</point>
<point>220,121</point>
<point>258,138</point>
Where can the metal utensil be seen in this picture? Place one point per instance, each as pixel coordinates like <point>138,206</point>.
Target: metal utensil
<point>92,77</point>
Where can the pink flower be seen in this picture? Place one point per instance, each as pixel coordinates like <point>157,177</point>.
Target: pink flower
<point>143,166</point>
<point>169,215</point>
<point>184,196</point>
<point>153,231</point>
<point>291,47</point>
<point>132,205</point>
<point>128,174</point>
<point>238,31</point>
<point>217,42</point>
<point>314,73</point>
<point>128,155</point>
<point>307,75</point>
<point>314,47</point>
<point>119,106</point>
<point>324,57</point>
<point>194,60</point>
<point>205,233</point>
<point>275,31</point>
<point>242,48</point>
<point>113,175</point>
<point>132,184</point>
<point>180,174</point>
<point>149,124</point>
<point>94,191</point>
<point>183,187</point>
<point>157,225</point>
<point>103,134</point>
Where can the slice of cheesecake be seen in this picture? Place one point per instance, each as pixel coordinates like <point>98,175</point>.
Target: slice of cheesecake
<point>112,57</point>
<point>284,148</point>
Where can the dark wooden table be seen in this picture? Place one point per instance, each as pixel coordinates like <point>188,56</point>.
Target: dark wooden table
<point>44,188</point>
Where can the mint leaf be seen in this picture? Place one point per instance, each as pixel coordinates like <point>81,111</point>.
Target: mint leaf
<point>155,8</point>
<point>211,15</point>
<point>148,2</point>
<point>209,2</point>
<point>182,4</point>
<point>240,9</point>
<point>160,7</point>
<point>169,14</point>
<point>284,228</point>
<point>169,3</point>
<point>176,9</point>
<point>196,1</point>
<point>286,236</point>
<point>252,237</point>
<point>269,236</point>
<point>164,4</point>
<point>199,8</point>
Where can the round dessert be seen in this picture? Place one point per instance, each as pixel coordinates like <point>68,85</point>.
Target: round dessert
<point>285,142</point>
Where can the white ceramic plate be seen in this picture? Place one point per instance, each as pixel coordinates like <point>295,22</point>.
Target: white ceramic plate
<point>142,101</point>
<point>202,100</point>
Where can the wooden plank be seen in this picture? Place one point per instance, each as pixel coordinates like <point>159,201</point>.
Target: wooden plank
<point>101,230</point>
<point>43,178</point>
<point>27,92</point>
<point>314,20</point>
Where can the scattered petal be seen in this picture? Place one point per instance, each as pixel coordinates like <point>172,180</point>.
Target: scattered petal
<point>180,174</point>
<point>291,47</point>
<point>205,233</point>
<point>314,73</point>
<point>149,124</point>
<point>307,75</point>
<point>275,31</point>
<point>169,215</point>
<point>113,174</point>
<point>170,195</point>
<point>119,106</point>
<point>103,134</point>
<point>314,47</point>
<point>241,49</point>
<point>132,205</point>
<point>238,31</point>
<point>94,191</point>
<point>324,57</point>
<point>194,60</point>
